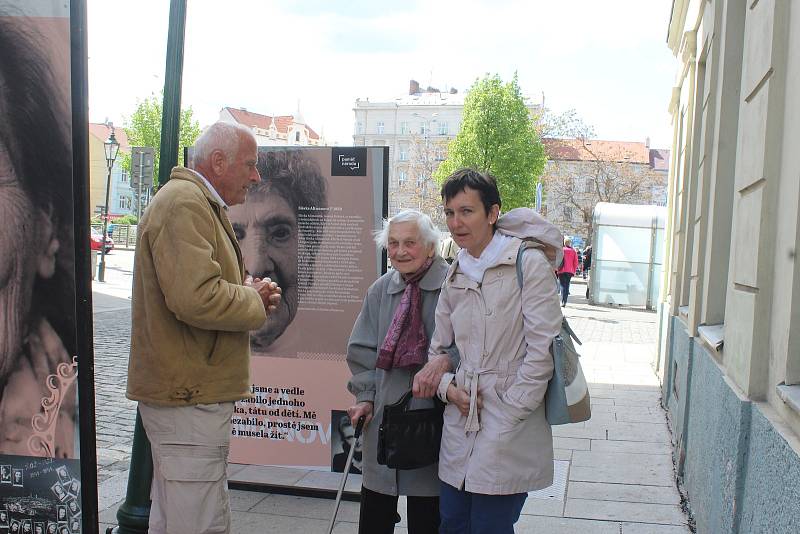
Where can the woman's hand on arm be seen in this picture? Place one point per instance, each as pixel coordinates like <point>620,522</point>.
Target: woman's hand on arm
<point>460,397</point>
<point>427,380</point>
<point>357,410</point>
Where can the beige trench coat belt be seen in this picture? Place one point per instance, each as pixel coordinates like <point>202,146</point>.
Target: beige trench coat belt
<point>471,379</point>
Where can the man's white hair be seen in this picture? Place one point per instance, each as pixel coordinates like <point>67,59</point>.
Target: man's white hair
<point>222,136</point>
<point>428,233</point>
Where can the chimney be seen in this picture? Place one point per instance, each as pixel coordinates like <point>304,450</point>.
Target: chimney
<point>413,87</point>
<point>647,142</point>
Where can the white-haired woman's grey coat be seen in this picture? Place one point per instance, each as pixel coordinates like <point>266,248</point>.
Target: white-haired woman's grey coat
<point>386,387</point>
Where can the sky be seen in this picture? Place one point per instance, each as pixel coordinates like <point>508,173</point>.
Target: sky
<point>607,59</point>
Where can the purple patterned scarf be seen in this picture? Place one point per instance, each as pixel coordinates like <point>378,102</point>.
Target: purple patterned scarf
<point>406,343</point>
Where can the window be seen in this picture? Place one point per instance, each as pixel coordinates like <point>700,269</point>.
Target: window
<point>403,152</point>
<point>359,127</point>
<point>297,137</point>
<point>379,127</point>
<point>443,128</point>
<point>567,213</point>
<point>422,128</point>
<point>421,180</point>
<point>403,128</point>
<point>123,177</point>
<point>124,202</point>
<point>401,177</point>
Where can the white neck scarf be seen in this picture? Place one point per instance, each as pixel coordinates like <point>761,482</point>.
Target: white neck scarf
<point>473,267</point>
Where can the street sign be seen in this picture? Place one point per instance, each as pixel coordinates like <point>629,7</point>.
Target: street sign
<point>142,166</point>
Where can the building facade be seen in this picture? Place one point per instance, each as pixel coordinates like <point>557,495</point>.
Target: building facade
<point>417,128</point>
<point>581,173</point>
<point>280,130</point>
<point>730,329</point>
<point>121,198</point>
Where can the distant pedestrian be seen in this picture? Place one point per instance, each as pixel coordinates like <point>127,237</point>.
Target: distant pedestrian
<point>587,260</point>
<point>587,265</point>
<point>193,309</point>
<point>567,270</point>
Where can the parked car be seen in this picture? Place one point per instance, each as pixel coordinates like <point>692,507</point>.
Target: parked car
<point>97,238</point>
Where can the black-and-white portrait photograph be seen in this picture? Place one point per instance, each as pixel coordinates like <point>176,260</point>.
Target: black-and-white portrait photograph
<point>27,526</point>
<point>61,512</point>
<point>15,527</point>
<point>342,440</point>
<point>37,281</point>
<point>63,474</point>
<point>63,529</point>
<point>58,491</point>
<point>267,228</point>
<point>75,525</point>
<point>52,527</point>
<point>5,474</point>
<point>17,477</point>
<point>74,507</point>
<point>74,487</point>
<point>39,527</point>
<point>3,518</point>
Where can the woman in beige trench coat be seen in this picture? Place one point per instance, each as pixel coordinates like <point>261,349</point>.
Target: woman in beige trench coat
<point>496,442</point>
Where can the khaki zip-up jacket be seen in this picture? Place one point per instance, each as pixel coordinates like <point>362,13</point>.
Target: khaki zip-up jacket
<point>503,334</point>
<point>190,339</point>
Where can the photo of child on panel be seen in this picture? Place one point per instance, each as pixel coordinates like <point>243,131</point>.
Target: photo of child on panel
<point>37,287</point>
<point>342,440</point>
<point>271,239</point>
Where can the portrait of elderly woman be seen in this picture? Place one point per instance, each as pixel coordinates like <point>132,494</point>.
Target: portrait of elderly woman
<point>272,239</point>
<point>37,295</point>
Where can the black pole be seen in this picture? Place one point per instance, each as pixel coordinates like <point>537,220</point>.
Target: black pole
<point>170,121</point>
<point>83,269</point>
<point>101,275</point>
<point>134,515</point>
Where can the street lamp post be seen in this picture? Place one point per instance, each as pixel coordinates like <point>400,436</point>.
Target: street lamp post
<point>110,147</point>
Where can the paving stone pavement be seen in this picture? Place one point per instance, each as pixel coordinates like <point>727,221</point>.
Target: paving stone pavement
<point>617,467</point>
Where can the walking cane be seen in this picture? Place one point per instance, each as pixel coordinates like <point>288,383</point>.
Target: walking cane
<point>359,426</point>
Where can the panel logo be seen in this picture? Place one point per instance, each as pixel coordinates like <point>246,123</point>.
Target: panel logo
<point>349,161</point>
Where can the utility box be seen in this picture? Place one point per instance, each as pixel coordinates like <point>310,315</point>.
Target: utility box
<point>627,254</point>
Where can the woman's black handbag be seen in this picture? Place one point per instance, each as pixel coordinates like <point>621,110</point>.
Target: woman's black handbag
<point>409,439</point>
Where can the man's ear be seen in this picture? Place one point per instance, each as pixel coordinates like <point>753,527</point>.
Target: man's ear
<point>46,262</point>
<point>219,162</point>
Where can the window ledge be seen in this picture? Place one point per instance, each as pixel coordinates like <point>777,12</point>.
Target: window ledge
<point>683,311</point>
<point>790,395</point>
<point>713,335</point>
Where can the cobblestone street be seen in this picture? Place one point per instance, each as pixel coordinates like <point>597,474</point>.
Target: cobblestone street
<point>614,473</point>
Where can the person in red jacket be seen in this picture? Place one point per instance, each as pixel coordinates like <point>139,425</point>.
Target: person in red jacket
<point>567,269</point>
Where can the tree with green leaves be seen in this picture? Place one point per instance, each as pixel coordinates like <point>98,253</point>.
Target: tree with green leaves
<point>144,129</point>
<point>498,136</point>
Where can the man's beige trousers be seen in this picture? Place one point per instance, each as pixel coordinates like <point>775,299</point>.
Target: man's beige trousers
<point>190,456</point>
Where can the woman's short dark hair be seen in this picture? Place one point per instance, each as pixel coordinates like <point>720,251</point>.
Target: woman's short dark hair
<point>484,183</point>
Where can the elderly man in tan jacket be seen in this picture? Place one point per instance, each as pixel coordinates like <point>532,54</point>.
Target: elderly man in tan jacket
<point>193,309</point>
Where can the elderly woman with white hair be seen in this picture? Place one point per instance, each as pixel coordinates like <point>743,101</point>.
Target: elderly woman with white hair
<point>387,347</point>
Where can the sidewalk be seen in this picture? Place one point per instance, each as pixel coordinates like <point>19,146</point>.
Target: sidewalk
<point>614,473</point>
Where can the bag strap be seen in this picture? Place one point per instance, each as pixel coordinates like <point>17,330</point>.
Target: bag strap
<point>404,402</point>
<point>564,324</point>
